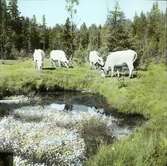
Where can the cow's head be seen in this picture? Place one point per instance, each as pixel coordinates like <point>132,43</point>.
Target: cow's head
<point>104,70</point>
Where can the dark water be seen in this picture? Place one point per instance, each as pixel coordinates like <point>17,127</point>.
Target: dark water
<point>70,101</point>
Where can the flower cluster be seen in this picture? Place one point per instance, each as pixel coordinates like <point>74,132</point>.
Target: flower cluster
<point>41,142</point>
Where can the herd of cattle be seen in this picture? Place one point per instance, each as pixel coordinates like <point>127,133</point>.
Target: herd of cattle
<point>118,58</point>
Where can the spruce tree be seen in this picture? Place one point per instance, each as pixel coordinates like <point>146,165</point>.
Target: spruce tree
<point>72,10</point>
<point>68,39</point>
<point>117,37</point>
<point>94,37</point>
<point>56,35</point>
<point>43,33</point>
<point>3,27</point>
<point>84,37</point>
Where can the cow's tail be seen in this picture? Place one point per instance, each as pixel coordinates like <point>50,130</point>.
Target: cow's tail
<point>135,57</point>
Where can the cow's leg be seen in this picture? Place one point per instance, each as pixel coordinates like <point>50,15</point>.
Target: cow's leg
<point>131,67</point>
<point>92,65</point>
<point>36,65</point>
<point>42,65</point>
<point>39,66</point>
<point>112,71</point>
<point>66,65</point>
<point>59,63</point>
<point>118,73</point>
<point>52,62</point>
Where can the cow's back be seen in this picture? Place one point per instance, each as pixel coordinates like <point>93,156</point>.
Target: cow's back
<point>120,57</point>
<point>58,55</point>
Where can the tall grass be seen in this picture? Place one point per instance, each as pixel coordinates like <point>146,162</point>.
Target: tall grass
<point>148,145</point>
<point>23,77</point>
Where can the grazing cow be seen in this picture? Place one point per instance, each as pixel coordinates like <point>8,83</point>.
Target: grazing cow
<point>38,57</point>
<point>95,60</point>
<point>118,58</point>
<point>58,56</point>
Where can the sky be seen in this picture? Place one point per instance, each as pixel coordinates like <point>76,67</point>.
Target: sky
<point>88,11</point>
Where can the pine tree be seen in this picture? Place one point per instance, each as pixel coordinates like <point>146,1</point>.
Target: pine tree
<point>26,35</point>
<point>43,33</point>
<point>117,37</point>
<point>3,26</point>
<point>165,36</point>
<point>68,39</point>
<point>56,35</point>
<point>154,31</point>
<point>14,28</point>
<point>72,10</point>
<point>29,30</point>
<point>35,33</point>
<point>162,45</point>
<point>94,37</point>
<point>84,37</point>
<point>115,17</point>
<point>140,33</point>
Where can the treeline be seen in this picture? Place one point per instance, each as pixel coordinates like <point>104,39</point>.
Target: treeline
<point>146,34</point>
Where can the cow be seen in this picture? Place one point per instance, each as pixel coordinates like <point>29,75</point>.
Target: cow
<point>58,56</point>
<point>119,58</point>
<point>38,58</point>
<point>95,60</point>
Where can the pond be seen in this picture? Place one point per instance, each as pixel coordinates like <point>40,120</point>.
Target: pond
<point>59,128</point>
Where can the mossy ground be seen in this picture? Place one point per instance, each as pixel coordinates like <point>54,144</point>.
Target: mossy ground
<point>146,94</point>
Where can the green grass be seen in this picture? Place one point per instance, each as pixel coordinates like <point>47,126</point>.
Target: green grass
<point>146,95</point>
<point>23,77</point>
<point>148,145</point>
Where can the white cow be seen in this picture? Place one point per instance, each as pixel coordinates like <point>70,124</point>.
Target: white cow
<point>119,58</point>
<point>95,59</point>
<point>38,57</point>
<point>58,56</point>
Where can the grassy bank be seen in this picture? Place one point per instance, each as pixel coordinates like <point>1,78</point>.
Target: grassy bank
<point>146,95</point>
<point>148,146</point>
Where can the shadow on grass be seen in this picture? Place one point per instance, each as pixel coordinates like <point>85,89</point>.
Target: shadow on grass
<point>49,68</point>
<point>122,75</point>
<point>54,68</point>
